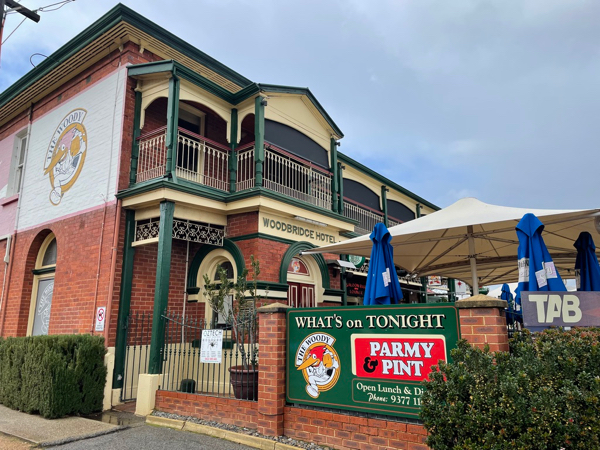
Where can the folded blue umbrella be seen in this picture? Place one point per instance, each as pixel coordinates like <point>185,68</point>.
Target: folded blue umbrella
<point>382,286</point>
<point>587,270</point>
<point>505,294</point>
<point>536,268</point>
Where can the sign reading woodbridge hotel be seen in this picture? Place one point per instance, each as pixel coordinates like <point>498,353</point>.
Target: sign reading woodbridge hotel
<point>371,359</point>
<point>296,230</point>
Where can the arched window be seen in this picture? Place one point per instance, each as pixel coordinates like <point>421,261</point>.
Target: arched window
<point>43,288</point>
<point>209,266</point>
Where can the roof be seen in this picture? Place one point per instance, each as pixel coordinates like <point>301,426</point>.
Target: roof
<point>117,27</point>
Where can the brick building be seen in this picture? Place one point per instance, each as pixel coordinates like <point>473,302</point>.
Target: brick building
<point>131,164</point>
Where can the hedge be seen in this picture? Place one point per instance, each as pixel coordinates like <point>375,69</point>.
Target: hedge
<point>53,375</point>
<point>544,394</point>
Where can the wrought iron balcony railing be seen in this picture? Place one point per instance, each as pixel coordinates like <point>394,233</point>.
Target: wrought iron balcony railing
<point>367,219</point>
<point>205,162</point>
<point>196,159</point>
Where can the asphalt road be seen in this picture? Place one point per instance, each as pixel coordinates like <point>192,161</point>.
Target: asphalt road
<point>147,437</point>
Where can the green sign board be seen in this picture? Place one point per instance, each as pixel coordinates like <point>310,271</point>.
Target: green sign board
<point>367,358</point>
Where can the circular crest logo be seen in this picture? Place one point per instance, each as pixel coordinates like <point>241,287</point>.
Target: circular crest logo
<point>66,154</point>
<point>319,363</point>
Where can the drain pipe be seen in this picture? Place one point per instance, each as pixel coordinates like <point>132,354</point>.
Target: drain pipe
<point>185,294</point>
<point>98,267</point>
<point>113,269</point>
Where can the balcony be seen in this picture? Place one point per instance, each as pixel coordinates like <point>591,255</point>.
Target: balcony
<point>367,218</point>
<point>197,159</point>
<point>206,163</point>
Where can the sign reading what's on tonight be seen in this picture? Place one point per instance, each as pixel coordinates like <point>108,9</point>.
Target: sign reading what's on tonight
<point>370,359</point>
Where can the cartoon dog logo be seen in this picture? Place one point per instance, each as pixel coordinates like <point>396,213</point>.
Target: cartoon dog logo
<point>66,154</point>
<point>319,363</point>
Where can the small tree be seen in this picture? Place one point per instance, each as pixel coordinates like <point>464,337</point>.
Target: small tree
<point>242,317</point>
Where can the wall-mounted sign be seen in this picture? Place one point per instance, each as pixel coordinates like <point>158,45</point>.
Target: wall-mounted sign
<point>66,154</point>
<point>563,309</point>
<point>435,281</point>
<point>296,230</point>
<point>370,359</point>
<point>355,286</point>
<point>100,318</point>
<point>358,261</point>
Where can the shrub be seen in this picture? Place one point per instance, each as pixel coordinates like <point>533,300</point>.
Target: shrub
<point>53,375</point>
<point>545,394</point>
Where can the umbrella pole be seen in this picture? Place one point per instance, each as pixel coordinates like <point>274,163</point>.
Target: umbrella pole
<point>473,260</point>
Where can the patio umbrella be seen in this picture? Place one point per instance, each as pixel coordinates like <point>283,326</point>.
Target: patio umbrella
<point>587,270</point>
<point>382,286</point>
<point>505,294</point>
<point>473,241</point>
<point>537,271</point>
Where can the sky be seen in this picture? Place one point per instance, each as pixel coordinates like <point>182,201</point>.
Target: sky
<point>498,100</point>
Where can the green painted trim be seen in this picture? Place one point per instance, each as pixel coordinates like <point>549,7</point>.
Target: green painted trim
<point>384,205</point>
<point>112,18</point>
<point>302,91</point>
<point>389,183</point>
<point>344,282</point>
<point>246,237</point>
<point>161,290</point>
<point>289,200</point>
<point>294,250</point>
<point>124,299</point>
<point>44,271</point>
<point>181,186</point>
<point>229,245</point>
<point>138,70</point>
<point>334,176</point>
<point>233,154</point>
<point>135,145</point>
<point>172,124</point>
<point>339,292</point>
<point>259,140</point>
<point>419,207</point>
<point>272,286</point>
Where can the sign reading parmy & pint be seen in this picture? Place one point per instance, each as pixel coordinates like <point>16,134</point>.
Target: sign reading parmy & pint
<point>371,359</point>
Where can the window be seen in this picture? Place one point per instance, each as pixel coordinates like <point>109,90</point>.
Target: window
<point>18,162</point>
<point>43,288</point>
<point>221,320</point>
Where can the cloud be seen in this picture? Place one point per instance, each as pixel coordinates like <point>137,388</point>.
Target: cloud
<point>489,98</point>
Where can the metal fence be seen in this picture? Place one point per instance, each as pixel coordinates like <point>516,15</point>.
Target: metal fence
<point>138,332</point>
<point>236,375</point>
<point>514,321</point>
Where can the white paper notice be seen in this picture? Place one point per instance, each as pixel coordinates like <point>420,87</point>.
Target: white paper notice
<point>211,349</point>
<point>540,276</point>
<point>523,270</point>
<point>386,277</point>
<point>550,270</point>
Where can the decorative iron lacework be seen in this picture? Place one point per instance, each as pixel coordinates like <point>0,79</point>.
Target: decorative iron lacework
<point>186,230</point>
<point>146,229</point>
<point>202,233</point>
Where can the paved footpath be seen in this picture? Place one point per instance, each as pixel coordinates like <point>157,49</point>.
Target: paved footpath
<point>119,431</point>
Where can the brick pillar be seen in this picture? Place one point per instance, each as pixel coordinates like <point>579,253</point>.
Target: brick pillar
<point>271,372</point>
<point>482,321</point>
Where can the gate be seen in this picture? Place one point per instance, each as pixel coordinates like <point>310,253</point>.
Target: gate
<point>138,333</point>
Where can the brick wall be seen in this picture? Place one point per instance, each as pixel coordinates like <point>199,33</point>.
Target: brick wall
<point>484,326</point>
<point>343,431</point>
<point>242,413</point>
<point>84,251</point>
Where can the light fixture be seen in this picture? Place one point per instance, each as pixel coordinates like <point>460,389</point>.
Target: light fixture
<point>314,222</point>
<point>339,263</point>
<point>263,101</point>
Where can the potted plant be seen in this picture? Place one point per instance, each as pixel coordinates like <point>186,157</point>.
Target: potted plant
<point>241,317</point>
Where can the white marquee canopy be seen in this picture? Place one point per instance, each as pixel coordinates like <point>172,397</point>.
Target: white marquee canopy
<point>476,242</point>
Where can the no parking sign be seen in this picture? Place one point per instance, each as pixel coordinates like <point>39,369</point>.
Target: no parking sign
<point>100,318</point>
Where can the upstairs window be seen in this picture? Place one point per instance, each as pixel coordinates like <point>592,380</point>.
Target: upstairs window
<point>18,162</point>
